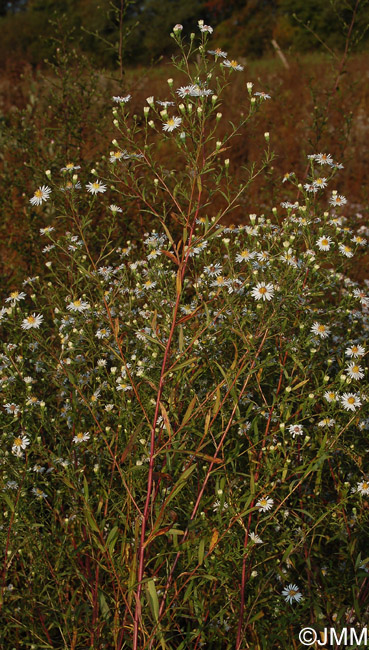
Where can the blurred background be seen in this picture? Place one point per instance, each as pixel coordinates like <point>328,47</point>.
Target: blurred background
<point>62,61</point>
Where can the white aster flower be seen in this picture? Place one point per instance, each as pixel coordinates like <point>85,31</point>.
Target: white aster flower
<point>363,487</point>
<point>295,430</point>
<point>330,396</point>
<point>19,443</point>
<point>233,64</point>
<point>346,250</point>
<point>218,52</point>
<point>78,305</point>
<point>172,123</point>
<point>324,243</point>
<point>354,371</point>
<point>32,321</point>
<point>337,200</point>
<point>115,208</point>
<point>350,401</point>
<point>255,538</point>
<point>327,422</point>
<point>355,351</point>
<point>264,504</point>
<point>320,330</point>
<point>69,167</point>
<point>206,28</point>
<point>121,100</point>
<point>291,593</point>
<point>322,158</point>
<point>263,291</point>
<point>39,493</point>
<point>15,297</point>
<point>41,194</point>
<point>96,187</point>
<point>81,437</point>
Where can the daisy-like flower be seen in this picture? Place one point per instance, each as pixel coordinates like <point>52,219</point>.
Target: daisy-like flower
<point>330,396</point>
<point>323,158</point>
<point>218,52</point>
<point>78,305</point>
<point>213,270</point>
<point>115,155</point>
<point>337,200</point>
<point>363,487</point>
<point>206,28</point>
<point>41,194</point>
<point>287,176</point>
<point>244,256</point>
<point>102,333</point>
<point>346,250</point>
<point>15,297</point>
<point>320,182</point>
<point>121,100</point>
<point>296,430</point>
<point>149,284</point>
<point>255,538</point>
<point>320,330</point>
<point>355,351</point>
<point>324,243</point>
<point>291,593</point>
<point>264,504</point>
<point>262,95</point>
<point>96,187</point>
<point>263,291</point>
<point>32,321</point>
<point>69,167</point>
<point>327,422</point>
<point>350,401</point>
<point>185,91</point>
<point>47,230</point>
<point>81,437</point>
<point>172,123</point>
<point>233,64</point>
<point>115,208</point>
<point>19,443</point>
<point>39,493</point>
<point>354,371</point>
<point>165,104</point>
<point>361,241</point>
<point>220,281</point>
<point>12,409</point>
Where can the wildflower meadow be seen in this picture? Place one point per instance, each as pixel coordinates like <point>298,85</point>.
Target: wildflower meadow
<point>184,413</point>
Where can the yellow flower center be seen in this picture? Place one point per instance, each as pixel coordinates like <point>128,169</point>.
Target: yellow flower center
<point>234,63</point>
<point>14,294</point>
<point>69,166</point>
<point>355,369</point>
<point>95,186</point>
<point>365,485</point>
<point>38,194</point>
<point>77,303</point>
<point>18,442</point>
<point>80,436</point>
<point>31,319</point>
<point>170,122</point>
<point>321,328</point>
<point>262,290</point>
<point>324,242</point>
<point>351,400</point>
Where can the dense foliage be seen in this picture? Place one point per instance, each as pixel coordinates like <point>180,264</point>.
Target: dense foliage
<point>184,418</point>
